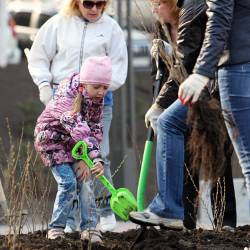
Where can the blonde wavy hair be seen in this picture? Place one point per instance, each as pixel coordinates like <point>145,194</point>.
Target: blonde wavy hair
<point>70,8</point>
<point>77,105</point>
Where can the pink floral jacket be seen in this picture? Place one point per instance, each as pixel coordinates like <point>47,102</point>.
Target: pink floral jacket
<point>58,128</point>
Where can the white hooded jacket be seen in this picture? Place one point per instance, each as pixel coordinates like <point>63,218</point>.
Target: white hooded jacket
<point>50,59</point>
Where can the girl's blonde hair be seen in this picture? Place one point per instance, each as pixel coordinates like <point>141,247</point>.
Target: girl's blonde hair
<point>70,8</point>
<point>78,103</point>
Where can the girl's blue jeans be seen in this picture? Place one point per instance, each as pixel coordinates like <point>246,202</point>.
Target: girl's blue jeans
<point>171,129</point>
<point>66,197</point>
<point>234,86</point>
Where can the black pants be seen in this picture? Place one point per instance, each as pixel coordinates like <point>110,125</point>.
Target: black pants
<point>190,195</point>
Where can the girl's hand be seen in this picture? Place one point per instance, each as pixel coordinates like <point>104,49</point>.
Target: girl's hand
<point>82,172</point>
<point>98,169</point>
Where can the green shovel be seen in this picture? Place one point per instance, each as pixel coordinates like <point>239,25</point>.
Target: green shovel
<point>146,160</point>
<point>122,201</point>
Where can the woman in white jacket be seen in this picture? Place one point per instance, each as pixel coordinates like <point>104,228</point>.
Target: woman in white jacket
<point>63,43</point>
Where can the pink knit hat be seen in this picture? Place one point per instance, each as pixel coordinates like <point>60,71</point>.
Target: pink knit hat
<point>96,70</point>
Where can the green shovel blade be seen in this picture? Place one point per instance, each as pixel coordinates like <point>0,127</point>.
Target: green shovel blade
<point>122,201</point>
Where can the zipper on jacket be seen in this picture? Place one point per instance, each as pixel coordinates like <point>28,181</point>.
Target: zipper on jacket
<point>82,44</point>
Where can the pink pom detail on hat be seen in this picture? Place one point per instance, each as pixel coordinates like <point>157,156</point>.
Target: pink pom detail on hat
<point>96,70</point>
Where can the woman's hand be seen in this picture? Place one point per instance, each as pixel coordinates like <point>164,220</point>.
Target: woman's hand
<point>98,169</point>
<point>82,171</point>
<point>191,88</point>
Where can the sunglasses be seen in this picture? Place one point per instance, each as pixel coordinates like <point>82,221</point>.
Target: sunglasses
<point>90,4</point>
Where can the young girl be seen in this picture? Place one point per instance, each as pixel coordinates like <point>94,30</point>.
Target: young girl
<point>74,114</point>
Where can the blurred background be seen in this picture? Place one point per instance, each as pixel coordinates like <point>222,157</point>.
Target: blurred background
<point>20,105</point>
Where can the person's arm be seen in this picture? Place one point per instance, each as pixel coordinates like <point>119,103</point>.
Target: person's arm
<point>168,94</point>
<point>42,53</point>
<point>93,140</point>
<point>168,91</point>
<point>79,130</point>
<point>191,31</point>
<point>91,133</point>
<point>220,16</point>
<point>119,57</point>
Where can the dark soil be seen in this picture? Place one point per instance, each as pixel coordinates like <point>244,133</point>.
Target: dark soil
<point>150,239</point>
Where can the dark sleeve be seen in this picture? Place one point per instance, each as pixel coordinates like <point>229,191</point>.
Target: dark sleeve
<point>220,15</point>
<point>191,30</point>
<point>163,69</point>
<point>167,95</point>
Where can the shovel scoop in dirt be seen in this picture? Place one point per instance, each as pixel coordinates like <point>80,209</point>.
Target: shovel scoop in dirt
<point>122,201</point>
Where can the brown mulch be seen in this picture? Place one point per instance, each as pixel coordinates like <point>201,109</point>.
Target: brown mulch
<point>142,238</point>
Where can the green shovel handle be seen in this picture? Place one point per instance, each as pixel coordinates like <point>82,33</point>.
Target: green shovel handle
<point>84,157</point>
